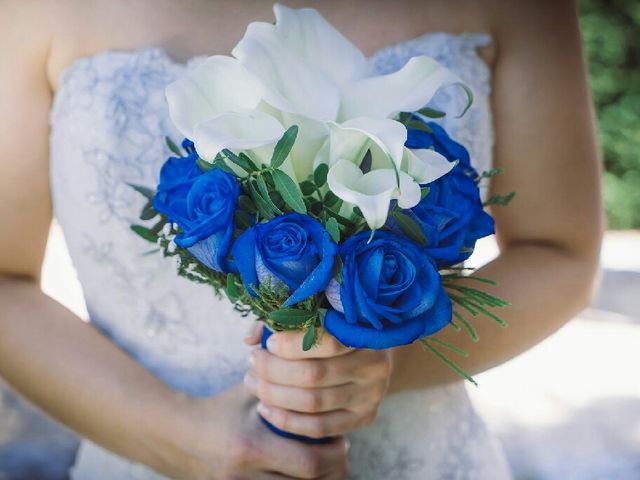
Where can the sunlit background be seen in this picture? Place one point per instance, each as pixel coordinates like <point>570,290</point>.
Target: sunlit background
<point>567,409</point>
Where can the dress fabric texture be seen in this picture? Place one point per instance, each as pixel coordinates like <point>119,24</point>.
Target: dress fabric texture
<point>109,121</point>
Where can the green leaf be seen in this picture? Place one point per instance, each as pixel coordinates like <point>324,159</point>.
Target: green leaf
<point>241,160</point>
<point>242,219</point>
<point>264,192</point>
<point>467,326</point>
<point>307,187</point>
<point>320,174</point>
<point>283,147</point>
<point>492,172</point>
<point>418,125</point>
<point>144,233</point>
<point>310,337</point>
<point>424,191</point>
<point>289,191</point>
<point>426,343</point>
<point>206,166</point>
<point>431,113</point>
<point>246,204</point>
<point>403,117</point>
<point>172,146</point>
<point>144,191</point>
<point>233,292</point>
<point>222,165</point>
<point>450,346</point>
<point>148,212</point>
<point>341,220</point>
<point>330,198</point>
<point>502,200</point>
<point>469,93</point>
<point>155,230</point>
<point>263,207</point>
<point>409,227</point>
<point>333,229</point>
<point>291,317</point>
<point>336,272</point>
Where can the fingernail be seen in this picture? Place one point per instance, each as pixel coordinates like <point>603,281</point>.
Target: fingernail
<point>272,344</point>
<point>252,358</point>
<point>263,409</point>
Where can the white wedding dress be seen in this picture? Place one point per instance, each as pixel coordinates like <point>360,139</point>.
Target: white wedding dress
<point>109,121</point>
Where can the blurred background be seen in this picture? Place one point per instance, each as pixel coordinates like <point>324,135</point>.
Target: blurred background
<point>567,409</point>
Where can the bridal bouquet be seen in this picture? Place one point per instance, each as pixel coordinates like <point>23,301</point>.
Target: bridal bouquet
<point>319,197</point>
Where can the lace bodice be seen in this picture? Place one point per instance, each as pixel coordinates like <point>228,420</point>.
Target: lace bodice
<point>108,123</point>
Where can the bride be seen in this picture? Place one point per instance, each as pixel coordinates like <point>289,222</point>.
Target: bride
<point>157,383</point>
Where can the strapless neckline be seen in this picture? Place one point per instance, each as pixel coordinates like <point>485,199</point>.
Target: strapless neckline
<point>163,55</point>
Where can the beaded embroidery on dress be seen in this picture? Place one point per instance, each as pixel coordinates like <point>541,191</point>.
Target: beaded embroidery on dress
<point>108,123</point>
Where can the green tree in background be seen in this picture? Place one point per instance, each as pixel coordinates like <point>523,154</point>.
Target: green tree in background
<point>611,34</point>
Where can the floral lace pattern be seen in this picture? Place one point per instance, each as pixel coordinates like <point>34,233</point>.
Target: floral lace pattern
<point>108,123</point>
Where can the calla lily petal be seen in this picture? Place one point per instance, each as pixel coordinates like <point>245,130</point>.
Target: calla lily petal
<point>290,83</point>
<point>236,131</point>
<point>351,139</point>
<point>409,192</point>
<point>217,85</point>
<point>406,90</point>
<point>319,43</point>
<point>425,165</point>
<point>371,192</point>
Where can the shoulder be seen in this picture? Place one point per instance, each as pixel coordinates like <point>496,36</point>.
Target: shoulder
<point>517,22</point>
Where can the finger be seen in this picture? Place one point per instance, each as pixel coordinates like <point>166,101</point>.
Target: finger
<point>317,425</point>
<point>271,476</point>
<point>254,335</point>
<point>289,345</point>
<point>314,400</point>
<point>360,366</point>
<point>301,460</point>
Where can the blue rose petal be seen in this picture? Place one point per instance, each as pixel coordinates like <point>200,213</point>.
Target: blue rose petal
<point>359,336</point>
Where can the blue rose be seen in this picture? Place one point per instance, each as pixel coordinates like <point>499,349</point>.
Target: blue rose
<point>176,177</point>
<point>451,216</point>
<point>204,207</point>
<point>389,294</point>
<point>293,250</point>
<point>438,140</point>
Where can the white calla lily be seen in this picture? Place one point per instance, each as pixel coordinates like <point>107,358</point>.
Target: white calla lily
<point>319,43</point>
<point>290,83</point>
<point>237,131</point>
<point>351,139</point>
<point>425,165</point>
<point>406,90</point>
<point>372,192</point>
<point>218,85</point>
<point>309,68</point>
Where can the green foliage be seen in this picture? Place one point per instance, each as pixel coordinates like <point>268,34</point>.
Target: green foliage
<point>289,191</point>
<point>172,146</point>
<point>283,147</point>
<point>409,226</point>
<point>610,30</point>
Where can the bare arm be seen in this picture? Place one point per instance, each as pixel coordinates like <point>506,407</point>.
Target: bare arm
<point>48,354</point>
<point>63,364</point>
<point>550,235</point>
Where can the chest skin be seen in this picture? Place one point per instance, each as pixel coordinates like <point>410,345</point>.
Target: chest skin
<point>204,27</point>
